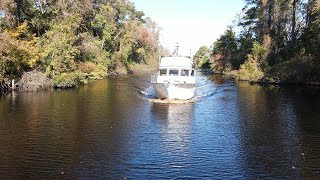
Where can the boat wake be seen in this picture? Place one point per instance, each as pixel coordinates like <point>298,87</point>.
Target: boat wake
<point>148,93</point>
<point>204,88</point>
<point>205,91</point>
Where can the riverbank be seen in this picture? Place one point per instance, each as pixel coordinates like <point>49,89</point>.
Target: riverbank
<point>78,45</point>
<point>37,80</point>
<point>4,86</point>
<point>296,72</point>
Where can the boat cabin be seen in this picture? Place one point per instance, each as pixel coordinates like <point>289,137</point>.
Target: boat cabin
<point>174,70</point>
<point>175,78</point>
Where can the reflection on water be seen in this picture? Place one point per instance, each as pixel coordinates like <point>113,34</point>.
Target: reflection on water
<point>175,126</point>
<point>108,130</point>
<point>269,125</point>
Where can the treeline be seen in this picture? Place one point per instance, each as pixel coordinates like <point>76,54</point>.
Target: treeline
<point>73,41</point>
<point>274,41</point>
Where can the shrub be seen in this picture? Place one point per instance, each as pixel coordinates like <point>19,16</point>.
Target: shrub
<point>86,67</point>
<point>92,70</point>
<point>66,80</point>
<point>99,72</point>
<point>250,72</point>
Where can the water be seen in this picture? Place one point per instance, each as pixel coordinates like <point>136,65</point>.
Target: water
<point>109,130</point>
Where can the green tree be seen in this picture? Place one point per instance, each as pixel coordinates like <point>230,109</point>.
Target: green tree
<point>224,52</point>
<point>202,57</point>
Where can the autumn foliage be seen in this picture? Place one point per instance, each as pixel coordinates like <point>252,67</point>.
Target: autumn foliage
<point>18,51</point>
<point>74,41</point>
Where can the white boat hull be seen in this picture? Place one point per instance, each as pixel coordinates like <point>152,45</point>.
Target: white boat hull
<point>174,91</point>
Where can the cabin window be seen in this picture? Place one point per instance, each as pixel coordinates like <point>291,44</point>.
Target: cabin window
<point>163,72</point>
<point>173,72</point>
<point>192,72</point>
<point>184,72</point>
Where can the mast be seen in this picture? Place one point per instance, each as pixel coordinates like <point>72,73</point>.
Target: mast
<point>176,50</point>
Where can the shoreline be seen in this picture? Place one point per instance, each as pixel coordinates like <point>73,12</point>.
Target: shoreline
<point>278,83</point>
<point>142,68</point>
<point>34,81</point>
<point>266,82</point>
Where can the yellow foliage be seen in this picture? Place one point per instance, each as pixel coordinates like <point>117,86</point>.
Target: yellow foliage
<point>317,5</point>
<point>107,8</point>
<point>20,32</point>
<point>141,51</point>
<point>18,50</point>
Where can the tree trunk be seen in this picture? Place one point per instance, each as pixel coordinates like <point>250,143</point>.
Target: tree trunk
<point>18,11</point>
<point>41,7</point>
<point>270,14</point>
<point>293,21</point>
<point>262,18</point>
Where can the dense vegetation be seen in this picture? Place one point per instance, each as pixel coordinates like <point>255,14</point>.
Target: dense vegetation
<point>276,41</point>
<point>73,41</point>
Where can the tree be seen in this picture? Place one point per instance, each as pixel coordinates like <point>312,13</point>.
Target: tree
<point>59,47</point>
<point>7,8</point>
<point>18,51</point>
<point>311,38</point>
<point>202,57</point>
<point>74,40</point>
<point>224,51</point>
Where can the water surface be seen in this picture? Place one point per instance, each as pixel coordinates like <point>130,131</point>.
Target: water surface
<point>109,130</point>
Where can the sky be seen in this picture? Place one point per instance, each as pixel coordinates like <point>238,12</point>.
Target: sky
<point>191,23</point>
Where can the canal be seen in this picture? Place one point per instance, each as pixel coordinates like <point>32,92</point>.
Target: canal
<point>110,130</point>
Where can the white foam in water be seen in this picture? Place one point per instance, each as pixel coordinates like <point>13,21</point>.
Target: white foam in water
<point>204,91</point>
<point>149,92</point>
<point>204,88</point>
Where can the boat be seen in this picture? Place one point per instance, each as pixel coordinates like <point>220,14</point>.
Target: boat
<point>175,78</point>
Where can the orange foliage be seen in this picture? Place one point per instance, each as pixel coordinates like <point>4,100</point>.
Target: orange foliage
<point>86,67</point>
<point>145,36</point>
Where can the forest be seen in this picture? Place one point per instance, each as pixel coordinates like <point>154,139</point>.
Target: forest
<point>74,41</point>
<point>272,41</point>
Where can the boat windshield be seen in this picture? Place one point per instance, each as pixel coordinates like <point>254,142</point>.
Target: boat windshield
<point>173,72</point>
<point>176,72</point>
<point>163,72</point>
<point>184,72</point>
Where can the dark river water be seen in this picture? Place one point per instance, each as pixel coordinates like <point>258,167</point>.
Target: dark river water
<point>110,130</point>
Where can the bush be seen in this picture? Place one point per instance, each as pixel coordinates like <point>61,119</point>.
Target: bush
<point>298,70</point>
<point>258,54</point>
<point>92,70</point>
<point>250,72</point>
<point>66,80</point>
<point>99,72</point>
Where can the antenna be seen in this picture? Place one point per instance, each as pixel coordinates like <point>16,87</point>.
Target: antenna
<point>176,50</point>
